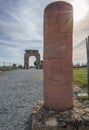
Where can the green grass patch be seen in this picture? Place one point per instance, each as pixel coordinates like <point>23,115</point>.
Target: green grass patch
<point>80,77</point>
<point>86,98</point>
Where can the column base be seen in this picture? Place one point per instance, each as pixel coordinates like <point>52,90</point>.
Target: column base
<point>75,119</point>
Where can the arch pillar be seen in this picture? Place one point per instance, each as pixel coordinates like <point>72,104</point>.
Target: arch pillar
<point>38,61</point>
<point>26,61</point>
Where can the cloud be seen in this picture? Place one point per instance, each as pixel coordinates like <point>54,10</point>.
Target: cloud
<point>21,27</point>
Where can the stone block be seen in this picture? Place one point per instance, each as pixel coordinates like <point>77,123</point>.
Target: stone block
<point>58,28</point>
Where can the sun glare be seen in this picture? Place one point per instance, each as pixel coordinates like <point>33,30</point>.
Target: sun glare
<point>80,9</point>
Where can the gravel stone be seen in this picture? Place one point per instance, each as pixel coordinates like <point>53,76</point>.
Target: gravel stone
<point>19,91</point>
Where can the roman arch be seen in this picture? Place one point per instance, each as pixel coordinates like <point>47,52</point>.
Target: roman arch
<point>29,53</point>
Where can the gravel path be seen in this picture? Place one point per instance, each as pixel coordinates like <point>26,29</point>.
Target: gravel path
<point>19,90</point>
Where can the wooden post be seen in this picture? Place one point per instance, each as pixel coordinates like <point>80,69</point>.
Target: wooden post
<point>87,48</point>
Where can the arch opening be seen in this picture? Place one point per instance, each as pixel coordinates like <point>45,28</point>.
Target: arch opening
<point>32,60</point>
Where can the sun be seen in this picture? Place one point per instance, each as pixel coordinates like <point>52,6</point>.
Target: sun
<point>80,9</point>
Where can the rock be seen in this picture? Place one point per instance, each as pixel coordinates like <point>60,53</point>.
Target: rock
<point>76,90</point>
<point>51,122</point>
<point>86,110</point>
<point>85,117</point>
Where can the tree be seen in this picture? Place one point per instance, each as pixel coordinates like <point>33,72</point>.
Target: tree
<point>14,65</point>
<point>35,63</point>
<point>41,64</point>
<point>20,66</point>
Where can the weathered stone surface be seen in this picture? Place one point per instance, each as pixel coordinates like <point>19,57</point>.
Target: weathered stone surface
<point>51,122</point>
<point>74,119</point>
<point>58,27</point>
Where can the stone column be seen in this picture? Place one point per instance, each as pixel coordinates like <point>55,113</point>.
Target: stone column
<point>58,28</point>
<point>26,61</point>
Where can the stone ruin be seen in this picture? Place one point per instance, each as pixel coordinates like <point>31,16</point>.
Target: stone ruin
<point>27,55</point>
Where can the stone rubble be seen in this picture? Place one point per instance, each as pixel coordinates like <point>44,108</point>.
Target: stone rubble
<point>77,117</point>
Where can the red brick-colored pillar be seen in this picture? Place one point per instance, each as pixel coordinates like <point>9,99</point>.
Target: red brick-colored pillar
<point>58,28</point>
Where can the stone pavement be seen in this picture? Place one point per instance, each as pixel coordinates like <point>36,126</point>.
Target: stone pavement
<point>19,90</point>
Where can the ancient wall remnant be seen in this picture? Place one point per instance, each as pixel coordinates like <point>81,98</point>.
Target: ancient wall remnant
<point>58,28</point>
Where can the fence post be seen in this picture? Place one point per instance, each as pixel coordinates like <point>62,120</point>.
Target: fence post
<point>87,48</point>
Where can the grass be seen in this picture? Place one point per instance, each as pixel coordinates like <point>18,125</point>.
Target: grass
<point>83,98</point>
<point>80,80</point>
<point>80,77</point>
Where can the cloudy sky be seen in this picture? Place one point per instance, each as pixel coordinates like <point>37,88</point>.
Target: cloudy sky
<point>21,26</point>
